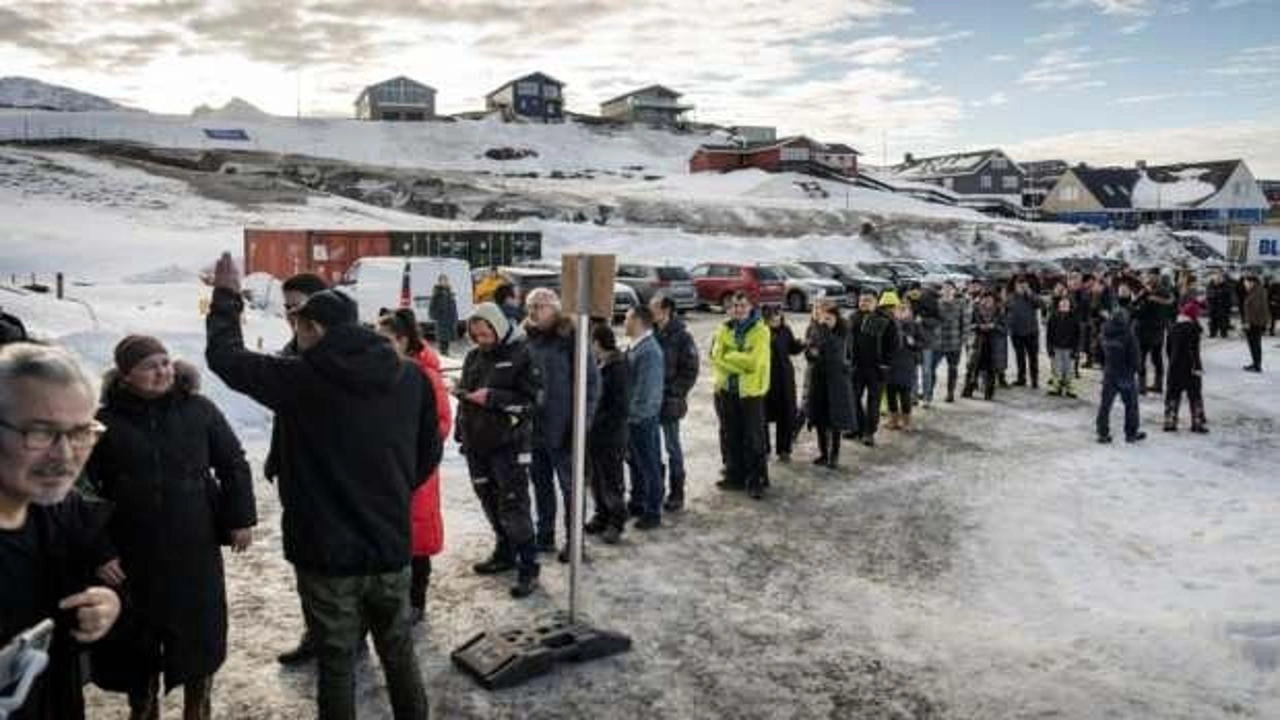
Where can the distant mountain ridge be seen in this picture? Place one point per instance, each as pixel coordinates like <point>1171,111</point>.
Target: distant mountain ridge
<point>24,92</point>
<point>235,109</point>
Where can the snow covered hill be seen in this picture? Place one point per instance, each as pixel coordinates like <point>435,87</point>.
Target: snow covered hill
<point>22,92</point>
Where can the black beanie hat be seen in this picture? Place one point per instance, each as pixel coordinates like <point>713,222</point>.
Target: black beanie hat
<point>329,308</point>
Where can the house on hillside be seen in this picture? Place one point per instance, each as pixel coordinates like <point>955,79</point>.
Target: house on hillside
<point>755,134</point>
<point>536,98</point>
<point>1208,195</point>
<point>1271,189</point>
<point>399,98</point>
<point>989,172</point>
<point>1039,177</point>
<point>793,154</point>
<point>655,105</point>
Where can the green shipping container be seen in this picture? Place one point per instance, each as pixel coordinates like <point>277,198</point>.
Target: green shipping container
<point>480,248</point>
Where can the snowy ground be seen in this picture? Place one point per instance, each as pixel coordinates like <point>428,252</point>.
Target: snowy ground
<point>997,563</point>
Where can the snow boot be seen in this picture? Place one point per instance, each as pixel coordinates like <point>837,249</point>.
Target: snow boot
<point>1170,423</point>
<point>894,423</point>
<point>497,563</point>
<point>612,535</point>
<point>904,423</point>
<point>526,582</point>
<point>1136,437</point>
<point>595,526</point>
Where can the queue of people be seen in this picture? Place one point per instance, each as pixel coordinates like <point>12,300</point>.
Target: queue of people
<point>131,561</point>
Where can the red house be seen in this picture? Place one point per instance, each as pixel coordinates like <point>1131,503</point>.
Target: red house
<point>798,153</point>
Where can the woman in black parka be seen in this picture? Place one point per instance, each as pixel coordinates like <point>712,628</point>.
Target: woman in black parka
<point>829,395</point>
<point>780,403</point>
<point>181,487</point>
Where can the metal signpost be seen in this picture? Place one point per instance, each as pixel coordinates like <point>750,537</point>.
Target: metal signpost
<point>513,655</point>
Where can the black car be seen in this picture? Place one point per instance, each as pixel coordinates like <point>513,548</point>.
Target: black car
<point>855,279</point>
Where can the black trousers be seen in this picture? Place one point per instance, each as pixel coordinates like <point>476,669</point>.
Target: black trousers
<point>1127,390</point>
<point>419,581</point>
<point>866,402</point>
<point>1219,325</point>
<point>608,484</point>
<point>1253,334</point>
<point>1155,351</point>
<point>722,401</point>
<point>501,482</point>
<point>1026,351</point>
<point>828,443</point>
<point>1192,388</point>
<point>899,399</point>
<point>745,427</point>
<point>784,433</point>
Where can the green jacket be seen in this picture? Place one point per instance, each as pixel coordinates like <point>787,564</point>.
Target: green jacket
<point>747,365</point>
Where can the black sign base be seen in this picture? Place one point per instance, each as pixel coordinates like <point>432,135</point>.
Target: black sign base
<point>510,656</point>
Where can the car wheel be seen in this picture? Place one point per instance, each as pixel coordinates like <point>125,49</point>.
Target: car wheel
<point>796,301</point>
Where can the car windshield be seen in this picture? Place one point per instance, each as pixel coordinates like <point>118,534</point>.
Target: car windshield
<point>794,270</point>
<point>669,274</point>
<point>764,272</point>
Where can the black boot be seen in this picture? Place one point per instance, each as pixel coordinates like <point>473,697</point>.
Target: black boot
<point>833,461</point>
<point>824,445</point>
<point>304,652</point>
<point>501,561</point>
<point>526,582</point>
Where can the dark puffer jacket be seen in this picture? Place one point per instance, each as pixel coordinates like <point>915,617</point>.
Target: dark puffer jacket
<point>609,428</point>
<point>1063,332</point>
<point>872,339</point>
<point>1120,352</point>
<point>552,351</point>
<point>178,479</point>
<point>514,383</point>
<point>358,434</point>
<point>829,394</point>
<point>906,354</point>
<point>680,358</point>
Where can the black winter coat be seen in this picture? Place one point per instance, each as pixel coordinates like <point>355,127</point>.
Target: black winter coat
<point>906,354</point>
<point>1024,315</point>
<point>1220,298</point>
<point>514,383</point>
<point>609,427</point>
<point>179,481</point>
<point>1120,353</point>
<point>553,352</point>
<point>358,434</point>
<point>443,311</point>
<point>1063,332</point>
<point>680,368</point>
<point>1151,317</point>
<point>1183,346</point>
<point>780,404</point>
<point>830,393</point>
<point>71,543</point>
<point>872,339</point>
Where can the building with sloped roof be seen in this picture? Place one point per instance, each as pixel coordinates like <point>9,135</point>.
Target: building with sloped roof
<point>1207,195</point>
<point>399,98</point>
<point>536,97</point>
<point>654,105</point>
<point>986,172</point>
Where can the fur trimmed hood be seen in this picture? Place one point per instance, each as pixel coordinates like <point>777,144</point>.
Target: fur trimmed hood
<point>186,381</point>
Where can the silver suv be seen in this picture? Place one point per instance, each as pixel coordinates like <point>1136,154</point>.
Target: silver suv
<point>670,280</point>
<point>804,287</point>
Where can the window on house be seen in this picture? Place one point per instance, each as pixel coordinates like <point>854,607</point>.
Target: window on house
<point>527,88</point>
<point>795,154</point>
<point>550,91</point>
<point>999,163</point>
<point>1009,182</point>
<point>1069,193</point>
<point>985,182</point>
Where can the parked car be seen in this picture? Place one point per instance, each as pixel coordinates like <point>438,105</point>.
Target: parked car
<point>624,298</point>
<point>804,287</point>
<point>935,271</point>
<point>671,280</point>
<point>379,282</point>
<point>525,278</point>
<point>905,273</point>
<point>854,279</point>
<point>717,282</point>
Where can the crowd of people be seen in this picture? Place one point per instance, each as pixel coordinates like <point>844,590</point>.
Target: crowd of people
<point>115,507</point>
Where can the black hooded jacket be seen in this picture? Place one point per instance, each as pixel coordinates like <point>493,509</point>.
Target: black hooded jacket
<point>358,435</point>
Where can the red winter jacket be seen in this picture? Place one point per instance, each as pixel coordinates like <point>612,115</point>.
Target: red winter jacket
<point>425,517</point>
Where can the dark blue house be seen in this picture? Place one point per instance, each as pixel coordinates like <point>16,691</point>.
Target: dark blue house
<point>536,97</point>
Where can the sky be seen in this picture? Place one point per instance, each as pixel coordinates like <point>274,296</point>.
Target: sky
<point>1098,81</point>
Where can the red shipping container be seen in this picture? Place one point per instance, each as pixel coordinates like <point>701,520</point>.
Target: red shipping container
<point>327,253</point>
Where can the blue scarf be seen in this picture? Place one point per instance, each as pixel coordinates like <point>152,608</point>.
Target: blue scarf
<point>740,329</point>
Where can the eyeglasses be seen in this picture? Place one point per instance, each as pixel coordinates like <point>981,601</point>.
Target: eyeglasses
<point>40,438</point>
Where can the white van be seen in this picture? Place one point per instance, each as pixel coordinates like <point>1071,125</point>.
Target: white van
<point>376,283</point>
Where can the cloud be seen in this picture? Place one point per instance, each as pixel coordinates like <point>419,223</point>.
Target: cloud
<point>1182,7</point>
<point>1106,7</point>
<point>1257,142</point>
<point>1000,58</point>
<point>1251,62</point>
<point>1228,4</point>
<point>1133,28</point>
<point>995,99</point>
<point>1162,97</point>
<point>892,49</point>
<point>1066,67</point>
<point>1060,34</point>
